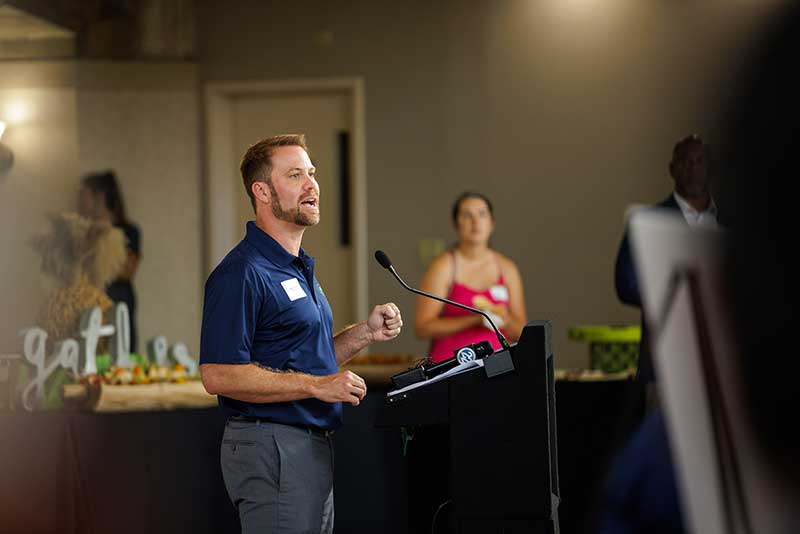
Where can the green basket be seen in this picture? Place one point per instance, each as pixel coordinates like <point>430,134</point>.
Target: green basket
<point>612,349</point>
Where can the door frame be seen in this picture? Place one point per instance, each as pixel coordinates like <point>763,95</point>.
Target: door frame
<point>223,183</point>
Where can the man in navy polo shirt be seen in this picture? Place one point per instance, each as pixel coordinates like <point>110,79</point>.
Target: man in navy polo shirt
<point>268,351</point>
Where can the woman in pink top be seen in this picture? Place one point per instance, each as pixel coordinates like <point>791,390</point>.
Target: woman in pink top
<point>470,273</point>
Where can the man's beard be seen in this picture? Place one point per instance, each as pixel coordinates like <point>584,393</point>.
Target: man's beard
<point>294,216</point>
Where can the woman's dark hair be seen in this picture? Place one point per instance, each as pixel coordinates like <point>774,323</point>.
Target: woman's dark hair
<point>106,183</point>
<point>467,195</point>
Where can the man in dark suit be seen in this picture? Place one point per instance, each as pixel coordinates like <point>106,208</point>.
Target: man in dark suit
<point>692,198</point>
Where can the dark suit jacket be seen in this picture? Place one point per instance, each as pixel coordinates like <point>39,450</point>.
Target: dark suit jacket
<point>627,286</point>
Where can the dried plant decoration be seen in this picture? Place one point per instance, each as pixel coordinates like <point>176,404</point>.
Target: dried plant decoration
<point>79,256</point>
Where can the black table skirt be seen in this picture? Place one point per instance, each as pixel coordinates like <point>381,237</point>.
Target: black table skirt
<point>159,472</point>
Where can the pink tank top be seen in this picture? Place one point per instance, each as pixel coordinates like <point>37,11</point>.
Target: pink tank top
<point>494,297</point>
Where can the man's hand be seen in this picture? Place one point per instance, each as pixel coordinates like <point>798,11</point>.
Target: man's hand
<point>344,386</point>
<point>384,322</point>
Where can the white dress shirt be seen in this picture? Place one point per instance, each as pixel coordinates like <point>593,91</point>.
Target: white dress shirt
<point>707,217</point>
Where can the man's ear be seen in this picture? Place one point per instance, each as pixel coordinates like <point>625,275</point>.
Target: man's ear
<point>260,192</point>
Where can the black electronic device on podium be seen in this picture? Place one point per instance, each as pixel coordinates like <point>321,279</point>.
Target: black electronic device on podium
<point>499,440</point>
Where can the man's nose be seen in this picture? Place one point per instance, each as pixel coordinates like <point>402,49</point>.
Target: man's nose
<point>310,183</point>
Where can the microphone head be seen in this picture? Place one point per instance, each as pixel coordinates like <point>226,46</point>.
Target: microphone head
<point>383,259</point>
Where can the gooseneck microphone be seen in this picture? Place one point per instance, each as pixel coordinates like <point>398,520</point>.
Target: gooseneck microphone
<point>383,259</point>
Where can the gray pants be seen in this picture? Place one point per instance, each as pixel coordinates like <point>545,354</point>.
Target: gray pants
<point>279,477</point>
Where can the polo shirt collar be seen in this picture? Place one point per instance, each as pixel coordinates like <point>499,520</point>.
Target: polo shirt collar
<point>271,249</point>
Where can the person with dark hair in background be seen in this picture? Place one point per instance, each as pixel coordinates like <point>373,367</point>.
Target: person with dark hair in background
<point>473,274</point>
<point>689,168</point>
<point>100,198</point>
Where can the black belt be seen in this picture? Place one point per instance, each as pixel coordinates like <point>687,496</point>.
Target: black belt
<point>310,429</point>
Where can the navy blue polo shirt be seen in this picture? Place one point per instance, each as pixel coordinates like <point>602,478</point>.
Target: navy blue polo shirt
<point>264,306</point>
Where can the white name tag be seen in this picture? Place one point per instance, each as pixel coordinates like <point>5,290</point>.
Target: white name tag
<point>293,289</point>
<point>499,293</point>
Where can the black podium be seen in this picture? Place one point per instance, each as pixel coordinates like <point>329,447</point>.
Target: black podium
<point>497,445</point>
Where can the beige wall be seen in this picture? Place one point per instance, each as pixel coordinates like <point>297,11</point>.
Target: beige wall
<point>574,118</point>
<point>400,51</point>
<point>142,120</point>
<point>42,96</point>
<point>564,112</point>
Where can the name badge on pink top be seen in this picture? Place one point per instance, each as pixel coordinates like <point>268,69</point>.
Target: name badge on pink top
<point>499,293</point>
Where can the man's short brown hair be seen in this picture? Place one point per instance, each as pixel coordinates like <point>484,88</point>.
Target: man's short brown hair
<point>257,161</point>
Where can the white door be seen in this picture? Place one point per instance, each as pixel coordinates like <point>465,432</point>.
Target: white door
<point>322,117</point>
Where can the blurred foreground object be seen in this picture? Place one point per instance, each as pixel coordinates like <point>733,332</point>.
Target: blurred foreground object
<point>726,479</point>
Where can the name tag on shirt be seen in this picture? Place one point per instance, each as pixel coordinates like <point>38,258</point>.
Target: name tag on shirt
<point>499,293</point>
<point>293,289</point>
